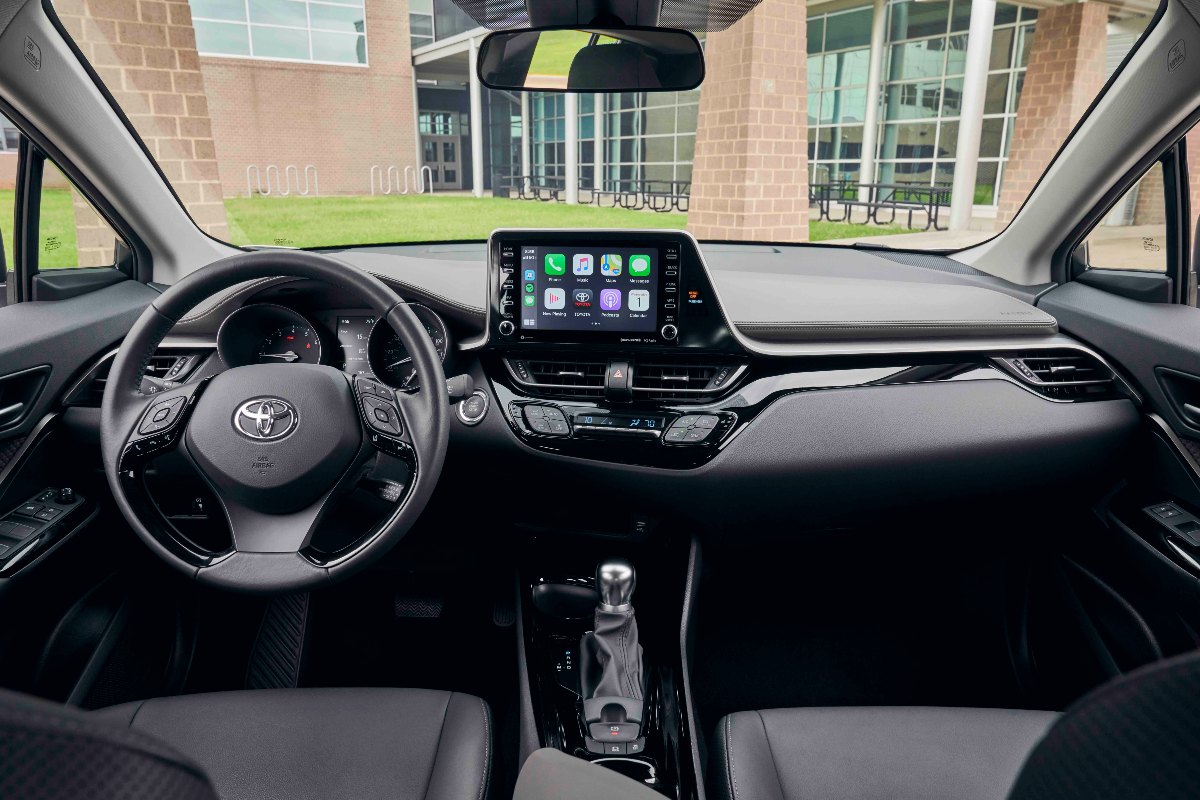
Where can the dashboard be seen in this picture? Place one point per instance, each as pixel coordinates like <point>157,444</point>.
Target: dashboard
<point>714,374</point>
<point>351,339</point>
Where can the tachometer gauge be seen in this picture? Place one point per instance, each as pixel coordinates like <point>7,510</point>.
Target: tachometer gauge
<point>290,344</point>
<point>390,359</point>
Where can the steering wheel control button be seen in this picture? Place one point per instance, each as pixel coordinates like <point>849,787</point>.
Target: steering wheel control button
<point>473,409</point>
<point>381,415</point>
<point>161,415</point>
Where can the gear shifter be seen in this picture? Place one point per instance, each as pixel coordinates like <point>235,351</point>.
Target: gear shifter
<point>611,668</point>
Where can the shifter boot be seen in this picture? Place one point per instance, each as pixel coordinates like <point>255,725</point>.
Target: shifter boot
<point>612,657</point>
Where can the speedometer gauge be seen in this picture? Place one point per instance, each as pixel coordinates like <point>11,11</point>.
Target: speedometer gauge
<point>290,344</point>
<point>390,359</point>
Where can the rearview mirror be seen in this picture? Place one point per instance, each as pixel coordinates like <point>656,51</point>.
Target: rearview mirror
<point>591,60</point>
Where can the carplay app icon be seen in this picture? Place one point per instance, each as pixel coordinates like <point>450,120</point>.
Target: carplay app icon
<point>556,298</point>
<point>639,299</point>
<point>610,299</point>
<point>556,264</point>
<point>610,265</point>
<point>582,264</point>
<point>639,266</point>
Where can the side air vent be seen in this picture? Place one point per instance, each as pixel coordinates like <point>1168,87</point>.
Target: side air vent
<point>683,381</point>
<point>561,376</point>
<point>165,365</point>
<point>1064,375</point>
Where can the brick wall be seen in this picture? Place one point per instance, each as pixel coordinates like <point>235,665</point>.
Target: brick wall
<point>342,120</point>
<point>145,52</point>
<point>750,173</point>
<point>1066,72</point>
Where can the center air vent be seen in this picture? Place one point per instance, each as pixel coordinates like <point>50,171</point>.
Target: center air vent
<point>1064,375</point>
<point>665,379</point>
<point>561,376</point>
<point>682,381</point>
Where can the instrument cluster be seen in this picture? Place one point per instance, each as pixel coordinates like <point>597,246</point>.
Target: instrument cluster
<point>353,340</point>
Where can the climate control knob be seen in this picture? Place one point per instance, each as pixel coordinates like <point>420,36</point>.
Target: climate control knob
<point>506,328</point>
<point>669,332</point>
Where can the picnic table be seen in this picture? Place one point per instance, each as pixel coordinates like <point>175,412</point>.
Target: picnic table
<point>882,202</point>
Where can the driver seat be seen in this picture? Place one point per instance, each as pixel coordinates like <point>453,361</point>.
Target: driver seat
<point>409,744</point>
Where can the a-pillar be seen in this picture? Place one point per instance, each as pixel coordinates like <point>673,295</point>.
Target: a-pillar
<point>750,173</point>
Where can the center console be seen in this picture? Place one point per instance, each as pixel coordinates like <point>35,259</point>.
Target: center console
<point>611,345</point>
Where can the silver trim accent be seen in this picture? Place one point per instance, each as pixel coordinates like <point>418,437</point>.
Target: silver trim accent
<point>1183,554</point>
<point>730,382</point>
<point>463,418</point>
<point>31,439</point>
<point>1175,441</point>
<point>620,431</point>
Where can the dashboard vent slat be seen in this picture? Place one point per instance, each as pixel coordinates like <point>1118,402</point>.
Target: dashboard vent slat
<point>561,376</point>
<point>1064,375</point>
<point>683,381</point>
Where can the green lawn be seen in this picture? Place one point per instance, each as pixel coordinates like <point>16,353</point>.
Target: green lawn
<point>57,226</point>
<point>556,50</point>
<point>328,221</point>
<point>320,221</point>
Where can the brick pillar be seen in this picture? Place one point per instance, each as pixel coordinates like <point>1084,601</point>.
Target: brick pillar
<point>1066,72</point>
<point>145,52</point>
<point>750,173</point>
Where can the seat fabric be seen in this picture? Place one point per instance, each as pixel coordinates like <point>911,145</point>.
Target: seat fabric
<point>893,753</point>
<point>319,744</point>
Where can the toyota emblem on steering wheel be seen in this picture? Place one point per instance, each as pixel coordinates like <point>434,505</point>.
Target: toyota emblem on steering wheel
<point>266,418</point>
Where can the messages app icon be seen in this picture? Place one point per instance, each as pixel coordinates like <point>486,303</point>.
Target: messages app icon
<point>639,266</point>
<point>556,264</point>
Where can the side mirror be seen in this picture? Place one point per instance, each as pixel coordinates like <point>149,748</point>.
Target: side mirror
<point>591,60</point>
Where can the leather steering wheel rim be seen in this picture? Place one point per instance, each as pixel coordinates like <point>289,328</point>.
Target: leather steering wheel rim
<point>425,414</point>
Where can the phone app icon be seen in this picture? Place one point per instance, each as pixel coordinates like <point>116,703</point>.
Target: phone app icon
<point>582,264</point>
<point>530,274</point>
<point>610,265</point>
<point>639,299</point>
<point>556,298</point>
<point>610,299</point>
<point>639,266</point>
<point>582,298</point>
<point>556,264</point>
<point>530,300</point>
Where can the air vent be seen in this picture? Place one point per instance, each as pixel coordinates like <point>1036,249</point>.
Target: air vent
<point>164,365</point>
<point>561,376</point>
<point>682,381</point>
<point>1064,375</point>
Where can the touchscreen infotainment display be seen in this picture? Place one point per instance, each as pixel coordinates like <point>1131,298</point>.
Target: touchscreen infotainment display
<point>577,288</point>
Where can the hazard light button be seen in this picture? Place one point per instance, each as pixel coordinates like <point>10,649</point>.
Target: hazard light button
<point>617,381</point>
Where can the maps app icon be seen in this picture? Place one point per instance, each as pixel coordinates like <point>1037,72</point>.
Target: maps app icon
<point>610,265</point>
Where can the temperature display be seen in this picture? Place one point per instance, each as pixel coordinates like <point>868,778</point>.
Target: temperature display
<point>646,422</point>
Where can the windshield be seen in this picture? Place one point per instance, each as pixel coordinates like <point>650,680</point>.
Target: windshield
<point>323,123</point>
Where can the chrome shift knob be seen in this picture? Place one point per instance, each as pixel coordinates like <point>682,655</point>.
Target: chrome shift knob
<point>615,581</point>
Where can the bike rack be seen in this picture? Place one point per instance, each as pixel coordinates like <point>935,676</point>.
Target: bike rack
<point>282,184</point>
<point>413,180</point>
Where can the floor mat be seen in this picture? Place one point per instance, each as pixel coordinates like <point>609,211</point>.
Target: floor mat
<point>850,619</point>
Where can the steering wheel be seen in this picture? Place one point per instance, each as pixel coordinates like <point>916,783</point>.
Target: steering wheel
<point>277,443</point>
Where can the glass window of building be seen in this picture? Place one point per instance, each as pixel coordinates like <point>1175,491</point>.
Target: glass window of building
<point>420,23</point>
<point>320,31</point>
<point>925,57</point>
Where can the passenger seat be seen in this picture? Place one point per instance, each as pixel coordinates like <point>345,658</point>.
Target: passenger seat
<point>1135,737</point>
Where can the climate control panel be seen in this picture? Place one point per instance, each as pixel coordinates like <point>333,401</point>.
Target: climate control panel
<point>535,419</point>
